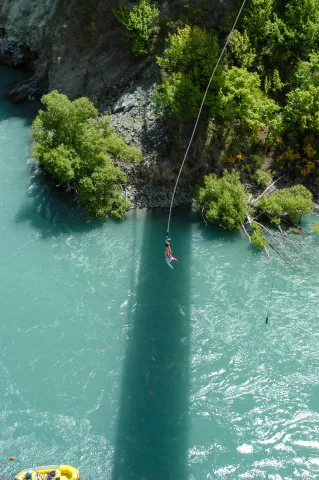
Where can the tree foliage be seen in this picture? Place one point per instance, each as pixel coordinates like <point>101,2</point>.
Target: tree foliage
<point>282,33</point>
<point>241,51</point>
<point>73,145</point>
<point>292,203</point>
<point>302,107</point>
<point>240,100</point>
<point>191,51</point>
<point>262,177</point>
<point>186,66</point>
<point>257,237</point>
<point>177,96</point>
<point>224,200</point>
<point>140,20</point>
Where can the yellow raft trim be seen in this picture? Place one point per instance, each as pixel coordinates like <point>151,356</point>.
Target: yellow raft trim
<point>62,472</point>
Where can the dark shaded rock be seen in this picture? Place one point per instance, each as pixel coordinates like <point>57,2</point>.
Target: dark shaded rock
<point>27,90</point>
<point>15,53</point>
<point>31,89</point>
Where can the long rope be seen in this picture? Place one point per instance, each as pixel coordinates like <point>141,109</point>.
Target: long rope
<point>199,113</point>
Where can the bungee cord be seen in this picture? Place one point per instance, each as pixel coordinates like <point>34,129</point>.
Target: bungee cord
<point>198,116</point>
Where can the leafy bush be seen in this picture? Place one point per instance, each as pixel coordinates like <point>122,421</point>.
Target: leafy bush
<point>241,51</point>
<point>302,159</point>
<point>273,82</point>
<point>240,100</point>
<point>257,237</point>
<point>257,161</point>
<point>282,33</point>
<point>72,145</point>
<point>301,112</point>
<point>315,227</point>
<point>140,22</point>
<point>191,51</point>
<point>198,12</point>
<point>186,65</point>
<point>224,200</point>
<point>262,177</point>
<point>308,72</point>
<point>177,96</point>
<point>302,109</point>
<point>292,203</point>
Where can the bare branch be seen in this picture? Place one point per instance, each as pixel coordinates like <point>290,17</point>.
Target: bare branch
<point>206,224</point>
<point>267,253</point>
<point>263,193</point>
<point>246,232</point>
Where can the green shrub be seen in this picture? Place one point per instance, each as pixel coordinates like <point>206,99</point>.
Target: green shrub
<point>186,66</point>
<point>141,24</point>
<point>72,145</point>
<point>262,177</point>
<point>241,51</point>
<point>240,101</point>
<point>224,200</point>
<point>292,203</point>
<point>177,96</point>
<point>257,161</point>
<point>191,51</point>
<point>257,237</point>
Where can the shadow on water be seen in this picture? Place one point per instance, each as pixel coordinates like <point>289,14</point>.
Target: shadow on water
<point>51,210</point>
<point>151,438</point>
<point>214,232</point>
<point>26,111</point>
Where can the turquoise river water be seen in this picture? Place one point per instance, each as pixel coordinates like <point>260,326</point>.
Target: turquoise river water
<point>114,363</point>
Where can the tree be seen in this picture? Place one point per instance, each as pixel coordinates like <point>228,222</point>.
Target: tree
<point>241,50</point>
<point>101,193</point>
<point>223,200</point>
<point>301,112</point>
<point>240,100</point>
<point>140,22</point>
<point>291,203</point>
<point>307,74</point>
<point>177,96</point>
<point>191,51</point>
<point>282,33</point>
<point>186,67</point>
<point>302,20</point>
<point>73,146</point>
<point>262,177</point>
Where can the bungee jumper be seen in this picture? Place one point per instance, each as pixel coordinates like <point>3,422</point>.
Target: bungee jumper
<point>168,252</point>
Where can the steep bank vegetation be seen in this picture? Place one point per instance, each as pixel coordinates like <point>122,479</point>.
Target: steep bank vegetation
<point>262,107</point>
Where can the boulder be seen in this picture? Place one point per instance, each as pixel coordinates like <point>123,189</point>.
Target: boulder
<point>126,102</point>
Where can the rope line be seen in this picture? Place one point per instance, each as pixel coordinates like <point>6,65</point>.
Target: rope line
<point>199,113</point>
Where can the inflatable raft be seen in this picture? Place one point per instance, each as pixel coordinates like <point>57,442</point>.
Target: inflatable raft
<point>49,472</point>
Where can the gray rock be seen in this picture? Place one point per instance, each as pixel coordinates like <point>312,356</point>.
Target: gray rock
<point>126,102</point>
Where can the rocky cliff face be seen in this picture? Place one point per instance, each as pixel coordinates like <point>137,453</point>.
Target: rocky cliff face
<point>78,48</point>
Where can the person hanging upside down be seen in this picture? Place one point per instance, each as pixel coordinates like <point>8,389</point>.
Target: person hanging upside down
<point>168,253</point>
